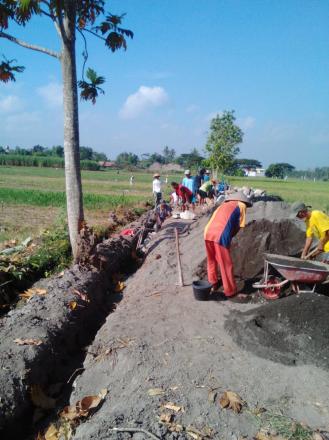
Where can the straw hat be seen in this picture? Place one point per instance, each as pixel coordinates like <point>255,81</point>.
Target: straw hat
<point>187,172</point>
<point>239,197</point>
<point>297,207</point>
<point>156,175</point>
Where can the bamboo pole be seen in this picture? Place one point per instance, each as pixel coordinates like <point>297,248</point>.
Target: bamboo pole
<point>179,265</point>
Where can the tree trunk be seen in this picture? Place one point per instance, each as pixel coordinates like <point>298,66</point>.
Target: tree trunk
<point>71,131</point>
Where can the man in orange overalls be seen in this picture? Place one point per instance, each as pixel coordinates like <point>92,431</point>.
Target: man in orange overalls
<point>225,222</point>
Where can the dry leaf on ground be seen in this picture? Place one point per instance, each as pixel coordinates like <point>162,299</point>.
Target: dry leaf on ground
<point>317,436</point>
<point>198,434</point>
<point>232,401</point>
<point>119,286</point>
<point>81,295</point>
<point>73,305</point>
<point>173,407</point>
<point>155,391</point>
<point>212,396</point>
<point>175,427</point>
<point>40,399</point>
<point>266,436</point>
<point>165,417</point>
<point>83,407</point>
<point>29,293</point>
<point>19,341</point>
<point>52,433</point>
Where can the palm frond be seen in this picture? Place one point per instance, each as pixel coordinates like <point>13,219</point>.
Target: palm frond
<point>7,71</point>
<point>91,90</point>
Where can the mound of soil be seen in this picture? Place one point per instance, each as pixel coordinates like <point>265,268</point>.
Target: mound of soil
<point>264,236</point>
<point>292,330</point>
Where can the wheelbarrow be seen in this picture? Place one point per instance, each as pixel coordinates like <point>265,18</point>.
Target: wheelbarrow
<point>301,275</point>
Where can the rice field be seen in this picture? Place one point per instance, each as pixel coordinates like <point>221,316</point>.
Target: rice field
<point>32,198</point>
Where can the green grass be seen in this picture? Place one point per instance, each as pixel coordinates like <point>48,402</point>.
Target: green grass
<point>46,187</point>
<point>58,199</point>
<point>312,193</point>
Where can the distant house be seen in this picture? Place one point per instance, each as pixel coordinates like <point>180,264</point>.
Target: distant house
<point>254,172</point>
<point>105,164</point>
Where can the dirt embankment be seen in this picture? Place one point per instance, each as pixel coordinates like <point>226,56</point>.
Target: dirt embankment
<point>161,338</point>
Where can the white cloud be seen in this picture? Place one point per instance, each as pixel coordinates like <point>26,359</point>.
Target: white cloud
<point>246,123</point>
<point>52,94</point>
<point>145,98</point>
<point>10,103</point>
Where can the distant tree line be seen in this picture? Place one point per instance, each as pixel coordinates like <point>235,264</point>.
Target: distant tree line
<point>168,155</point>
<point>39,156</point>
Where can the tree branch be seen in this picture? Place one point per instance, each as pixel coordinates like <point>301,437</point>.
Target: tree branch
<point>60,22</point>
<point>29,46</point>
<point>94,33</point>
<point>85,52</point>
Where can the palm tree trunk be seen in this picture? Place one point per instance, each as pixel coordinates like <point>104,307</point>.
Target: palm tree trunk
<point>71,134</point>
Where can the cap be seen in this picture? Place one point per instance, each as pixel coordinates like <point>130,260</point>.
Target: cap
<point>207,172</point>
<point>239,197</point>
<point>156,175</point>
<point>187,172</point>
<point>297,207</point>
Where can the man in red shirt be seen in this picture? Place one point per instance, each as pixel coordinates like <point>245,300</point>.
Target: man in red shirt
<point>225,222</point>
<point>183,193</point>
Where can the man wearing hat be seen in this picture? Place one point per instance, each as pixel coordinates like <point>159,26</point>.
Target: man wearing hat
<point>206,176</point>
<point>317,226</point>
<point>157,193</point>
<point>225,222</point>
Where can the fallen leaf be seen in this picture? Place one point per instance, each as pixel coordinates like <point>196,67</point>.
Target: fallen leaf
<point>73,305</point>
<point>212,396</point>
<point>155,391</point>
<point>83,296</point>
<point>165,417</point>
<point>29,293</point>
<point>174,388</point>
<point>60,274</point>
<point>317,436</point>
<point>232,401</point>
<point>261,435</point>
<point>119,286</point>
<point>83,407</point>
<point>40,399</point>
<point>52,433</point>
<point>193,435</point>
<point>28,341</point>
<point>173,407</point>
<point>175,427</point>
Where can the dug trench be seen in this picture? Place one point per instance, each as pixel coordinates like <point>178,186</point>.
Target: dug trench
<point>165,358</point>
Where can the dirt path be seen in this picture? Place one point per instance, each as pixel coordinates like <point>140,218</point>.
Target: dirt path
<point>161,337</point>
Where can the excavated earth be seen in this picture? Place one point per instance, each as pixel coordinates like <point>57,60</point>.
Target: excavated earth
<point>274,355</point>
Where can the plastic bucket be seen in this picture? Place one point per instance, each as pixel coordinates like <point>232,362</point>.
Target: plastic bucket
<point>201,290</point>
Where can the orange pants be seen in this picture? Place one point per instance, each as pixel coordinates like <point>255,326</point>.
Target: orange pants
<point>219,256</point>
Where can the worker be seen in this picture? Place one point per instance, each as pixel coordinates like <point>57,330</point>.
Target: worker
<point>225,222</point>
<point>184,193</point>
<point>206,176</point>
<point>157,193</point>
<point>207,190</point>
<point>317,226</point>
<point>162,212</point>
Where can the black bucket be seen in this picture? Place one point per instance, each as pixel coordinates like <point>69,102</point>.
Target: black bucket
<point>201,290</point>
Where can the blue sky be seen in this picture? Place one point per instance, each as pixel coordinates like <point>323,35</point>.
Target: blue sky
<point>189,59</point>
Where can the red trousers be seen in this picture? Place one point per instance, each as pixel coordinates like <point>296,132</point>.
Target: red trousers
<point>219,256</point>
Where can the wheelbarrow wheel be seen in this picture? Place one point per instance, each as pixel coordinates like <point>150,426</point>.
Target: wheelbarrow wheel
<point>270,292</point>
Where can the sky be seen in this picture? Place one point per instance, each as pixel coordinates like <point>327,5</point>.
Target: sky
<point>189,60</point>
